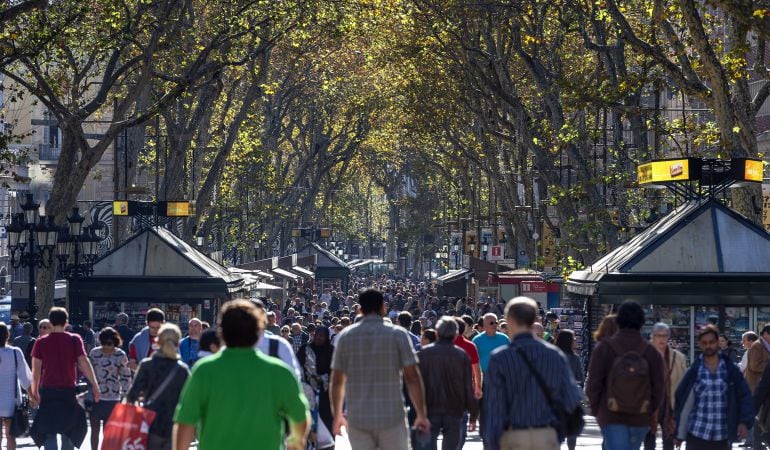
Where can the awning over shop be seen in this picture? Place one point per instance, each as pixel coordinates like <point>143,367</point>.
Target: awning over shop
<point>454,283</point>
<point>701,253</point>
<point>285,274</point>
<point>327,265</point>
<point>363,262</point>
<point>302,271</point>
<point>452,275</point>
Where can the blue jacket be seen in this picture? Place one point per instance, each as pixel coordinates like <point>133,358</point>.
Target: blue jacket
<point>740,409</point>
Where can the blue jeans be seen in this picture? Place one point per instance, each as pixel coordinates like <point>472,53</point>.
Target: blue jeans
<point>623,437</point>
<point>51,443</point>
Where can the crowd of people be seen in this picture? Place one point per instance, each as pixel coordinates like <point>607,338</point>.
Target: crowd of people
<point>394,365</point>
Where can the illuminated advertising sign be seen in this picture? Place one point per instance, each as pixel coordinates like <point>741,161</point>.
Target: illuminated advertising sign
<point>745,169</point>
<point>123,208</point>
<point>665,171</point>
<point>177,209</point>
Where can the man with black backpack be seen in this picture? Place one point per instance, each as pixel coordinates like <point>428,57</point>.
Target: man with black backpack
<point>625,382</point>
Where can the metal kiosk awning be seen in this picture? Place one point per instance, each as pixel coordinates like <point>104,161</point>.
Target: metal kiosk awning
<point>302,271</point>
<point>286,274</point>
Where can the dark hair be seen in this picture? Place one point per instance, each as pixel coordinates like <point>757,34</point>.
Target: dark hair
<point>708,329</point>
<point>404,319</point>
<point>727,338</point>
<point>155,315</point>
<point>765,329</point>
<point>564,340</point>
<point>58,316</point>
<point>371,301</point>
<point>430,335</point>
<point>416,327</point>
<point>630,316</point>
<point>607,327</point>
<point>208,337</point>
<point>522,310</point>
<point>239,324</point>
<point>109,334</point>
<point>4,333</point>
<point>460,325</point>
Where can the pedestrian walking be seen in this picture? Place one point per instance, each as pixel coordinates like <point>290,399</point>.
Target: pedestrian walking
<point>126,333</point>
<point>275,346</point>
<point>727,349</point>
<point>209,343</point>
<point>25,342</point>
<point>56,359</point>
<point>448,379</point>
<point>188,348</point>
<point>143,343</point>
<point>298,337</point>
<point>221,400</point>
<point>44,328</point>
<point>368,361</point>
<point>110,364</point>
<point>713,403</point>
<point>625,382</point>
<point>674,367</point>
<point>565,341</point>
<point>88,335</point>
<point>517,413</point>
<point>473,353</point>
<point>606,329</point>
<point>747,340</point>
<point>315,358</point>
<point>151,375</point>
<point>489,340</point>
<point>14,375</point>
<point>272,325</point>
<point>16,328</point>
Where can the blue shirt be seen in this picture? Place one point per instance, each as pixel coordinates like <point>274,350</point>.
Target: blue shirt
<point>487,344</point>
<point>708,419</point>
<point>512,395</point>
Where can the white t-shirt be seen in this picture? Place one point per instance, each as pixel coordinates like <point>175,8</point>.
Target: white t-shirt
<point>285,352</point>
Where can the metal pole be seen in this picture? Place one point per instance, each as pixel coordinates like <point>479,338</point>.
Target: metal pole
<point>32,306</point>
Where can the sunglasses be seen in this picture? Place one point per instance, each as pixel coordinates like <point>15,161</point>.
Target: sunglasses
<point>492,323</point>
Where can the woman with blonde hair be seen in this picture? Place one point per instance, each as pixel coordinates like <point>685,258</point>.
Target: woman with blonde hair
<point>159,381</point>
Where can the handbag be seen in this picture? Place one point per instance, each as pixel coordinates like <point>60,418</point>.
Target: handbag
<point>568,423</point>
<point>20,419</point>
<point>129,425</point>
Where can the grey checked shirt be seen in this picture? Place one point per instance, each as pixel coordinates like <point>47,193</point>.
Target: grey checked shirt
<point>372,353</point>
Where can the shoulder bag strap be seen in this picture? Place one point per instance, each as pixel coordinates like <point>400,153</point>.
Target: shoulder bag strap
<point>162,386</point>
<point>15,376</point>
<point>538,378</point>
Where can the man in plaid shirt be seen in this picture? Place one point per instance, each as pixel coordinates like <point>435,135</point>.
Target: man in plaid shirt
<point>713,402</point>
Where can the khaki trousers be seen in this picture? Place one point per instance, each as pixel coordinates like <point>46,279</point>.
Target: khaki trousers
<point>530,439</point>
<point>395,438</point>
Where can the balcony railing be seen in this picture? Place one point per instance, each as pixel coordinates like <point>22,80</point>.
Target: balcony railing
<point>49,153</point>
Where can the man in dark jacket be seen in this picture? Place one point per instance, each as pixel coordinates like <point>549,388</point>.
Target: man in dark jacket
<point>621,428</point>
<point>446,374</point>
<point>713,402</point>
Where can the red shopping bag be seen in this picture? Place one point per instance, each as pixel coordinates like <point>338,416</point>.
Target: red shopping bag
<point>127,428</point>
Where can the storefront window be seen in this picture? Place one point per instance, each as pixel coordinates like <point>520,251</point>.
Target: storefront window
<point>731,321</point>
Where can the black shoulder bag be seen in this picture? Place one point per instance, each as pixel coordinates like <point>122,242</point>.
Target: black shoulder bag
<point>20,420</point>
<point>568,423</point>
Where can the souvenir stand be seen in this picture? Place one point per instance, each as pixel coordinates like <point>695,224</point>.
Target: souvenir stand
<point>153,268</point>
<point>702,263</point>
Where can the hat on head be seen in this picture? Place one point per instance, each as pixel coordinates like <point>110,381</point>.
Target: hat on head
<point>14,317</point>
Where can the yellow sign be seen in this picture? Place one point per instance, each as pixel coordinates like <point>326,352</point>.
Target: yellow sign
<point>178,209</point>
<point>753,170</point>
<point>120,208</point>
<point>664,171</point>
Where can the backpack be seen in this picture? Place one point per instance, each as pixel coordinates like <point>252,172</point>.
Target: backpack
<point>629,389</point>
<point>273,349</point>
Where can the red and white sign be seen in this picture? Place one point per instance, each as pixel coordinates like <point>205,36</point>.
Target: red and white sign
<point>495,252</point>
<point>533,287</point>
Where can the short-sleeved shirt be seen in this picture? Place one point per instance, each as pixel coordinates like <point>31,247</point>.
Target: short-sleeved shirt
<point>59,352</point>
<point>372,353</point>
<point>487,344</point>
<point>469,348</point>
<point>243,390</point>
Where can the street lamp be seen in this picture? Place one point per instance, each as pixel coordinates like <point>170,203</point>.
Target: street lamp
<point>472,247</point>
<point>79,242</point>
<point>456,251</point>
<point>484,248</point>
<point>23,233</point>
<point>503,241</point>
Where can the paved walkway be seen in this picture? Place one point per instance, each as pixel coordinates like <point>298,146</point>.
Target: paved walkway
<point>590,440</point>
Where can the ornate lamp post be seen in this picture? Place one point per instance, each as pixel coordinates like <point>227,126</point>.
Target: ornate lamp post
<point>79,242</point>
<point>484,248</point>
<point>31,245</point>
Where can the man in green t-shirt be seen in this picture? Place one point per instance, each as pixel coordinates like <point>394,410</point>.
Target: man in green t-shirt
<point>239,398</point>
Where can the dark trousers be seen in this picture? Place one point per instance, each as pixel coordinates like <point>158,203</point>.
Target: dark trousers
<point>449,427</point>
<point>694,443</point>
<point>649,440</point>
